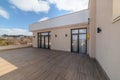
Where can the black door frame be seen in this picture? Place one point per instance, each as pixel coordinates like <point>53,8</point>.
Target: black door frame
<point>78,39</point>
<point>40,40</point>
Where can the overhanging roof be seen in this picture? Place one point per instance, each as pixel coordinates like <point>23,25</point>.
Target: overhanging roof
<point>68,19</point>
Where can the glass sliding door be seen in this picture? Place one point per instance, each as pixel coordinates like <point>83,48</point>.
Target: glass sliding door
<point>82,40</point>
<point>82,43</point>
<point>74,43</point>
<point>44,40</point>
<point>78,40</point>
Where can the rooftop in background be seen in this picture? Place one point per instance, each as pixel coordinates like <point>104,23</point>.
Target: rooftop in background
<point>68,19</point>
<point>14,36</point>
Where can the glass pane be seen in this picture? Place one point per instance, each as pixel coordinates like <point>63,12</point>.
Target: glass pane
<point>42,43</point>
<point>82,31</point>
<point>39,41</point>
<point>74,31</point>
<point>82,43</point>
<point>49,41</point>
<point>44,33</point>
<point>39,38</point>
<point>82,36</point>
<point>46,41</point>
<point>74,43</point>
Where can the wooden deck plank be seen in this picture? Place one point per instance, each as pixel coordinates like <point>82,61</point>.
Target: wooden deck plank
<point>42,64</point>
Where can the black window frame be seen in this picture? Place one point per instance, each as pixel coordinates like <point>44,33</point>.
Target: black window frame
<point>39,34</point>
<point>78,38</point>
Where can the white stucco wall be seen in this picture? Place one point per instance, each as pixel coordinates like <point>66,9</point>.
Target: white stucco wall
<point>72,18</point>
<point>108,41</point>
<point>61,42</point>
<point>34,41</point>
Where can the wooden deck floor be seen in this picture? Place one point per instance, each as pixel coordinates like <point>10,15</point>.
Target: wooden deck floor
<point>42,64</point>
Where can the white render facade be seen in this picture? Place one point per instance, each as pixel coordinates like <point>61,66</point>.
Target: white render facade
<point>103,46</point>
<point>61,27</point>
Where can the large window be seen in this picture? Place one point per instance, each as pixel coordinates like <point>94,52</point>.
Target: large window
<point>44,40</point>
<point>79,40</point>
<point>116,10</point>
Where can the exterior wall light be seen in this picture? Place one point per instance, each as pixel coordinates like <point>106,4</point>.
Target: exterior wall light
<point>99,30</point>
<point>66,35</point>
<point>55,35</point>
<point>88,20</point>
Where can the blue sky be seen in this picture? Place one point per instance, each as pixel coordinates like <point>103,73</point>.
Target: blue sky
<point>16,15</point>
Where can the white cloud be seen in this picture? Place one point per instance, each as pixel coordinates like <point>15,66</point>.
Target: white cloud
<point>4,13</point>
<point>44,5</point>
<point>31,5</point>
<point>43,19</point>
<point>70,5</point>
<point>14,31</point>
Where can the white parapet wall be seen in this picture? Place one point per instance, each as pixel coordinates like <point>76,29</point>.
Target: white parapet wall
<point>14,46</point>
<point>68,19</point>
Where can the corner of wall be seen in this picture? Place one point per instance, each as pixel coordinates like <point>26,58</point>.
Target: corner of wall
<point>35,40</point>
<point>92,28</point>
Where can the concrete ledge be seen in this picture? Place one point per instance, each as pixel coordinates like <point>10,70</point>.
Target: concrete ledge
<point>14,47</point>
